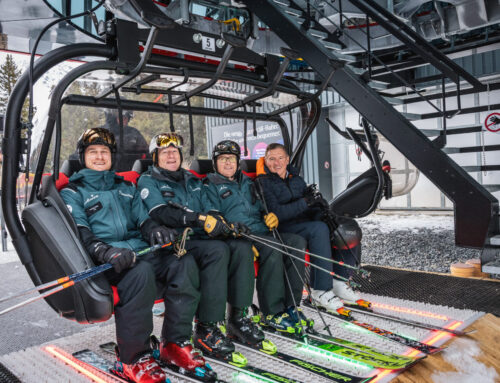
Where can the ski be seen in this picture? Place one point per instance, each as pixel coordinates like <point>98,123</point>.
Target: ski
<point>360,347</point>
<point>268,348</point>
<point>364,307</point>
<point>333,351</point>
<point>201,375</point>
<point>235,361</point>
<point>94,362</point>
<point>422,347</point>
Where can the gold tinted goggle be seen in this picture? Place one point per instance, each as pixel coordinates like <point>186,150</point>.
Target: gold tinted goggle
<point>98,136</point>
<point>165,140</point>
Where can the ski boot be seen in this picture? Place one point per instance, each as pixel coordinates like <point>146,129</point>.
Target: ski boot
<point>183,358</point>
<point>209,338</point>
<point>326,299</point>
<point>281,322</point>
<point>301,319</point>
<point>345,292</point>
<point>240,327</point>
<point>144,370</point>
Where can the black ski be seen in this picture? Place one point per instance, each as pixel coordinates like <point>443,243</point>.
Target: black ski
<point>332,375</point>
<point>202,375</point>
<point>366,309</point>
<point>422,347</point>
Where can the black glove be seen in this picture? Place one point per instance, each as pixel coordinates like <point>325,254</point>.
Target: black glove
<point>316,200</point>
<point>214,224</point>
<point>161,235</point>
<point>239,228</point>
<point>120,259</point>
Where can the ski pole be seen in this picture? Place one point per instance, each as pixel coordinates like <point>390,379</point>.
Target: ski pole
<point>277,235</point>
<point>258,239</point>
<point>363,272</point>
<point>68,281</point>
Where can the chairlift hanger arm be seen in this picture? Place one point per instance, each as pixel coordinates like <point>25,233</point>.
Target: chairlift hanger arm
<point>232,42</point>
<point>307,99</point>
<point>271,88</point>
<point>137,70</point>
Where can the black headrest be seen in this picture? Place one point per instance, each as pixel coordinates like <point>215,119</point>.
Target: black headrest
<point>249,166</point>
<point>202,166</point>
<point>70,166</point>
<point>142,165</point>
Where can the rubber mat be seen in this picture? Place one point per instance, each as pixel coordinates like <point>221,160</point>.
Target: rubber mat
<point>461,293</point>
<point>6,376</point>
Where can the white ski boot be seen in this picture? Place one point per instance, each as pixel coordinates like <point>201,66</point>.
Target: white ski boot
<point>345,292</point>
<point>326,299</point>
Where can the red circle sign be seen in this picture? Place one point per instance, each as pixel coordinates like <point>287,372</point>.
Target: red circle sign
<point>492,122</point>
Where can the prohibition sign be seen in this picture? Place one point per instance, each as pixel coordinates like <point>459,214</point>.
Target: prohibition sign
<point>492,122</point>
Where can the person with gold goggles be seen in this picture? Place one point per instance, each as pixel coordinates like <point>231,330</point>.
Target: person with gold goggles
<point>176,198</point>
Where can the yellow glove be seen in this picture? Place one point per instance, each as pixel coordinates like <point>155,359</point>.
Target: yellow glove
<point>214,225</point>
<point>255,253</point>
<point>271,221</point>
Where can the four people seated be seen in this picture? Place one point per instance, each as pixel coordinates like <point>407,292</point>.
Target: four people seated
<point>229,220</point>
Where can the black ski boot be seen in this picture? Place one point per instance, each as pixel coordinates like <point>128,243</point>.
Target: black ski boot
<point>240,327</point>
<point>209,338</point>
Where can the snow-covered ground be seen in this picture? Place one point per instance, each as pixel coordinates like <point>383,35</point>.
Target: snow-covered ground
<point>414,241</point>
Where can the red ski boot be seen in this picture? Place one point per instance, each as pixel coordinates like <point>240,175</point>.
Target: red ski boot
<point>182,357</point>
<point>144,370</point>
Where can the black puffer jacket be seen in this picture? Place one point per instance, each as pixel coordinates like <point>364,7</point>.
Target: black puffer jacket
<point>285,197</point>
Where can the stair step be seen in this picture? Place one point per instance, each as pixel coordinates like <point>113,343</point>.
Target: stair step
<point>336,47</point>
<point>493,189</point>
<point>320,35</point>
<point>393,100</point>
<point>464,129</point>
<point>379,85</point>
<point>482,168</point>
<point>492,267</point>
<point>358,71</point>
<point>495,240</point>
<point>283,3</point>
<point>411,116</point>
<point>431,132</point>
<point>472,149</point>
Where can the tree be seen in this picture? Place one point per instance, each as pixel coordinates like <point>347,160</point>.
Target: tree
<point>9,74</point>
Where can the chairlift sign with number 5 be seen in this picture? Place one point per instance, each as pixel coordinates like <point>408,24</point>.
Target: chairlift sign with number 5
<point>492,122</point>
<point>208,43</point>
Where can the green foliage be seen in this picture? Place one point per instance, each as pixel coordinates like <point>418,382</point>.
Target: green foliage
<point>9,74</point>
<point>75,119</point>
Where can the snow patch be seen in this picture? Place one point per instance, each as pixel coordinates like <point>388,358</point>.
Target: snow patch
<point>462,354</point>
<point>41,323</point>
<point>413,223</point>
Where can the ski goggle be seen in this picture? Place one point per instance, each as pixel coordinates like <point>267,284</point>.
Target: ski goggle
<point>227,147</point>
<point>166,139</point>
<point>98,136</point>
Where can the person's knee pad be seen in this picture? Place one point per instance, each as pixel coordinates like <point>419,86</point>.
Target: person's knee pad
<point>347,235</point>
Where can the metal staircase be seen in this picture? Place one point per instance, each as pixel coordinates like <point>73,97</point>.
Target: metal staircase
<point>375,90</point>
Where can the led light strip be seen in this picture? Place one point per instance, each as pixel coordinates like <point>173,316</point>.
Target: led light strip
<point>410,311</point>
<point>77,365</point>
<point>324,354</point>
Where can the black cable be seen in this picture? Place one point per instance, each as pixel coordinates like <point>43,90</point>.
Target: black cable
<point>191,129</point>
<point>245,129</point>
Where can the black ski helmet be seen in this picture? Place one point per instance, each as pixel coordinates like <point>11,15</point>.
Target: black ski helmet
<point>164,140</point>
<point>347,234</point>
<point>226,147</point>
<point>96,136</point>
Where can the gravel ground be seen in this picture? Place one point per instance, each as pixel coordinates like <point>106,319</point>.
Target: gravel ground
<point>416,242</point>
